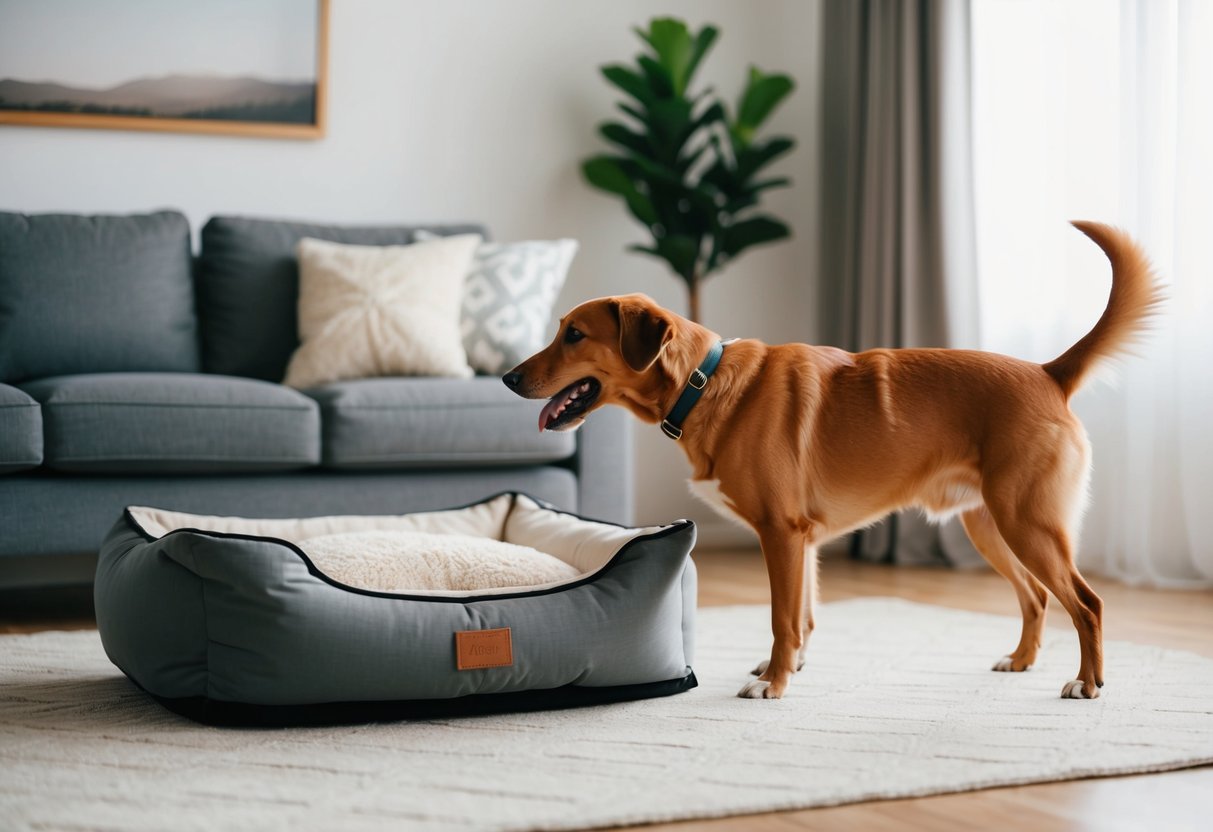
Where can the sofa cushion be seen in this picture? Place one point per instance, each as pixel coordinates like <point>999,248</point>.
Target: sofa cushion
<point>432,423</point>
<point>20,430</point>
<point>248,287</point>
<point>82,294</point>
<point>174,423</point>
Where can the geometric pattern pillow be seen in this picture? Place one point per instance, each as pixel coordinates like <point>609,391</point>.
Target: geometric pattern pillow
<point>508,299</point>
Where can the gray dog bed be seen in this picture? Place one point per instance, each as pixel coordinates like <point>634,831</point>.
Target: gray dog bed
<point>228,621</point>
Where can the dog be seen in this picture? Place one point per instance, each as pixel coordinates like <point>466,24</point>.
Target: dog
<point>806,443</point>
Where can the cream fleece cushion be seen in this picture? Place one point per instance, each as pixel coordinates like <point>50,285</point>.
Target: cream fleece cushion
<point>396,561</point>
<point>380,310</point>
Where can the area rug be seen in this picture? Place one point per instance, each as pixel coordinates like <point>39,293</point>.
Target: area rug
<point>896,701</point>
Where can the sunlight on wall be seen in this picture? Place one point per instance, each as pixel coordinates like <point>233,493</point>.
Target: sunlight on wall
<point>1099,110</point>
<point>1046,150</point>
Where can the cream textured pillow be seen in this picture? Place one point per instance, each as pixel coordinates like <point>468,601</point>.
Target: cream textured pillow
<point>380,310</point>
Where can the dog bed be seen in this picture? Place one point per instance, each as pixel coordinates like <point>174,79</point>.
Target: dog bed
<point>228,620</point>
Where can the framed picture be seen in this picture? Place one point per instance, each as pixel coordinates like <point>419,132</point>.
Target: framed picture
<point>237,67</point>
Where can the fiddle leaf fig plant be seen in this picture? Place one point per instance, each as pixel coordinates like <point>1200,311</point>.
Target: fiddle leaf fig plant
<point>688,168</point>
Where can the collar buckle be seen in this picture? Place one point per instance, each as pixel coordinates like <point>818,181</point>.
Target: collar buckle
<point>698,379</point>
<point>671,431</point>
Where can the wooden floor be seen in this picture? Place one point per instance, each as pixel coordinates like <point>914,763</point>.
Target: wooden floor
<point>1172,801</point>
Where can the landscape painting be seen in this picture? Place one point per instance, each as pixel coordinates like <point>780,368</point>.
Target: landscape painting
<point>246,67</point>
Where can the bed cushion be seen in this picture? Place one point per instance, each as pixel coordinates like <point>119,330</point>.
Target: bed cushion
<point>20,431</point>
<point>432,423</point>
<point>229,621</point>
<point>89,294</point>
<point>169,423</point>
<point>404,561</point>
<point>248,286</point>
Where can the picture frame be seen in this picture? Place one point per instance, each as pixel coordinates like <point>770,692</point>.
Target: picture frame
<point>280,91</point>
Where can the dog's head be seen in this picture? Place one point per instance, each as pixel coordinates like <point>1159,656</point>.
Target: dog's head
<point>605,352</point>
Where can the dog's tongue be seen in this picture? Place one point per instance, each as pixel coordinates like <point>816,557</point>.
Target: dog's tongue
<point>549,410</point>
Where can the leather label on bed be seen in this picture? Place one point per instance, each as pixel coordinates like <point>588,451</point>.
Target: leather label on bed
<point>483,648</point>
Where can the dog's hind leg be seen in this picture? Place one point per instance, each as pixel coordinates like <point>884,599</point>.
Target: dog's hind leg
<point>811,597</point>
<point>784,550</point>
<point>1033,598</point>
<point>1045,549</point>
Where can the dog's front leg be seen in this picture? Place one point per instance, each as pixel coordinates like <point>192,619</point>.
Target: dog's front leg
<point>784,552</point>
<point>809,616</point>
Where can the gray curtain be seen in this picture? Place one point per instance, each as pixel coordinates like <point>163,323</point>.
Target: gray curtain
<point>899,264</point>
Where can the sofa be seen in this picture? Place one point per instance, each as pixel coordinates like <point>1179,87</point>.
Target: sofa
<point>134,372</point>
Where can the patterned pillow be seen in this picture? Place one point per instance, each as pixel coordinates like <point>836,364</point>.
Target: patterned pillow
<point>508,298</point>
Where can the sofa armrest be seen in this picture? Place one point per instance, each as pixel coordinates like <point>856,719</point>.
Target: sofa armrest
<point>604,466</point>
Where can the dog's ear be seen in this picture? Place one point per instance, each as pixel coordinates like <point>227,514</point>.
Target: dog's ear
<point>643,333</point>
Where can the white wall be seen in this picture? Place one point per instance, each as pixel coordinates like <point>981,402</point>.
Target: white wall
<point>479,110</point>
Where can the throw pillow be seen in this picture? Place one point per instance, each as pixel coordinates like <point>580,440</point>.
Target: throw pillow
<point>508,299</point>
<point>380,310</point>
<point>248,286</point>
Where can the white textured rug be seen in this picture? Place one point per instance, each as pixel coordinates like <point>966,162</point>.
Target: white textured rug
<point>896,701</point>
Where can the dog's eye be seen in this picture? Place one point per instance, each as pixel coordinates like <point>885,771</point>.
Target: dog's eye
<point>572,335</point>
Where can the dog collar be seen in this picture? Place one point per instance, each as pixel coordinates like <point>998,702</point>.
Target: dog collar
<point>672,424</point>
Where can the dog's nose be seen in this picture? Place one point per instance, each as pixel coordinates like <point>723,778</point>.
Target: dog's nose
<point>512,380</point>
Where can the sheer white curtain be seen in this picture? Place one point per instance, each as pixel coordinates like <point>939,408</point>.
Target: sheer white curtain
<point>1096,110</point>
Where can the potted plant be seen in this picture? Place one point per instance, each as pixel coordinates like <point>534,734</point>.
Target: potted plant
<point>685,166</point>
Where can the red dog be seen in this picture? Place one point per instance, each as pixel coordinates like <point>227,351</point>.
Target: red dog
<point>805,444</point>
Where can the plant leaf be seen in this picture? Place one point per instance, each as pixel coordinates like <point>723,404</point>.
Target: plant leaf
<point>703,42</point>
<point>686,161</point>
<point>608,173</point>
<point>748,194</point>
<point>754,188</point>
<point>658,77</point>
<point>642,208</point>
<point>632,83</point>
<point>669,119</point>
<point>712,114</point>
<point>671,41</point>
<point>625,138</point>
<point>681,251</point>
<point>605,173</point>
<point>751,232</point>
<point>757,156</point>
<point>632,111</point>
<point>761,96</point>
<point>654,173</point>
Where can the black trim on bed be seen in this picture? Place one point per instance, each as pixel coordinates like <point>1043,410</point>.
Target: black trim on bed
<point>665,531</point>
<point>243,715</point>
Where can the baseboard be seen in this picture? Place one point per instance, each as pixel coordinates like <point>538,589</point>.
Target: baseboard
<point>33,571</point>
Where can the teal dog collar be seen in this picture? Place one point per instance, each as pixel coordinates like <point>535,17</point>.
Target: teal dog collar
<point>672,424</point>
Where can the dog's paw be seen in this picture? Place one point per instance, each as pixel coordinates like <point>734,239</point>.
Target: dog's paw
<point>765,663</point>
<point>757,689</point>
<point>1009,664</point>
<point>1076,690</point>
<point>762,689</point>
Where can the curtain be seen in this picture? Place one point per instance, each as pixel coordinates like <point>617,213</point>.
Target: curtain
<point>1090,109</point>
<point>898,253</point>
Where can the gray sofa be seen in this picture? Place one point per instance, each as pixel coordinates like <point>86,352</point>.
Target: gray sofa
<point>132,372</point>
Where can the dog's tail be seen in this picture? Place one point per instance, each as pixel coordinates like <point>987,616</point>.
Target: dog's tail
<point>1135,297</point>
